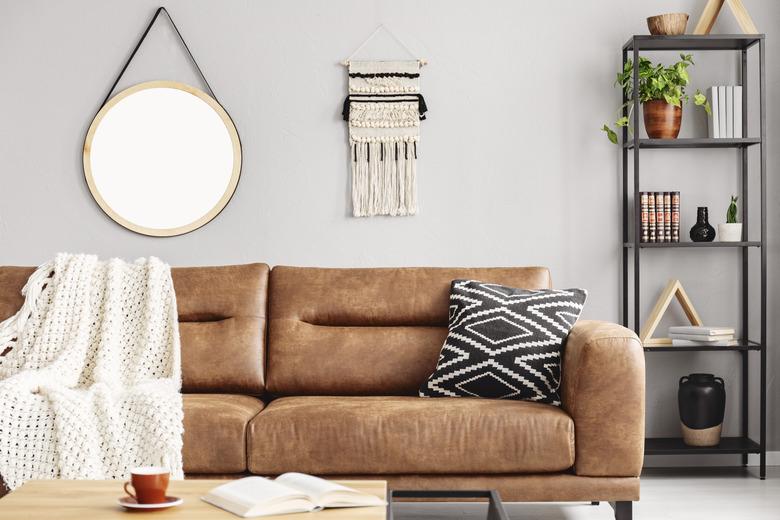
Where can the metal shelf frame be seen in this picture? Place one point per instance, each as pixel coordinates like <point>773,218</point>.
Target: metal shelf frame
<point>694,142</point>
<point>743,344</point>
<point>694,245</point>
<point>631,232</point>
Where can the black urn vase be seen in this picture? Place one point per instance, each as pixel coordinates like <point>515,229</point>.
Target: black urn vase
<point>702,231</point>
<point>702,402</point>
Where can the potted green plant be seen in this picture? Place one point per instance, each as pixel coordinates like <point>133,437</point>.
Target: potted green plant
<point>661,92</point>
<point>731,231</point>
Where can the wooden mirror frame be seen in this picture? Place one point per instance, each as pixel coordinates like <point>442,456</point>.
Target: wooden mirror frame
<point>221,203</point>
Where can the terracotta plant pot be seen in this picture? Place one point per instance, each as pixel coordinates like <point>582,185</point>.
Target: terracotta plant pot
<point>668,24</point>
<point>662,120</point>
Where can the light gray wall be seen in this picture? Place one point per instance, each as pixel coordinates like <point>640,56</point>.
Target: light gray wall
<point>513,169</point>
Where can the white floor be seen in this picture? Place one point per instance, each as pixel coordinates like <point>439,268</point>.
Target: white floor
<point>675,494</point>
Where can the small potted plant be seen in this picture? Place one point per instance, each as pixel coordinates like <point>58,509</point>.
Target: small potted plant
<point>661,92</point>
<point>731,231</point>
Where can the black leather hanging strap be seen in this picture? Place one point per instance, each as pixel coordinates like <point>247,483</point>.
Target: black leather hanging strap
<point>138,45</point>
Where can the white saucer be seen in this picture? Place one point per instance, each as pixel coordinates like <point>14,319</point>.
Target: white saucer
<point>131,503</point>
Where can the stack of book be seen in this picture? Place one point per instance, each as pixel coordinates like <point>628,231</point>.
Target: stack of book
<point>660,216</point>
<point>725,119</point>
<point>691,335</point>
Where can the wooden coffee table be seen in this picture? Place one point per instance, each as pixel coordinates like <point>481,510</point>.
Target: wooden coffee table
<point>96,499</point>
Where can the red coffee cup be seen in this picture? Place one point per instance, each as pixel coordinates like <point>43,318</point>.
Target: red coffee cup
<point>149,483</point>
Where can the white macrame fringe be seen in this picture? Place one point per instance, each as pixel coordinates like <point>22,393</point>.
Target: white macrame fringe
<point>383,184</point>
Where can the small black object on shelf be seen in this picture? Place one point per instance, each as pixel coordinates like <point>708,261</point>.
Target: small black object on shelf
<point>702,231</point>
<point>701,399</point>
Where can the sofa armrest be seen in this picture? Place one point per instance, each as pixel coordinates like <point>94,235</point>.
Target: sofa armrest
<point>603,389</point>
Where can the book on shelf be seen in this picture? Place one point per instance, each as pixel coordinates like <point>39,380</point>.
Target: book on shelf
<point>675,196</point>
<point>693,343</point>
<point>722,111</point>
<point>667,216</point>
<point>701,330</point>
<point>725,118</point>
<point>729,111</point>
<point>288,493</point>
<point>644,216</point>
<point>660,235</point>
<point>651,214</point>
<point>705,338</point>
<point>659,214</point>
<point>713,119</point>
<point>738,111</point>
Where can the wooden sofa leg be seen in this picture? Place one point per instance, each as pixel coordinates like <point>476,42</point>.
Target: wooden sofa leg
<point>623,510</point>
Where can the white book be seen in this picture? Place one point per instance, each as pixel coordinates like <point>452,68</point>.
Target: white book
<point>738,111</point>
<point>729,111</point>
<point>722,111</point>
<point>692,343</point>
<point>289,493</point>
<point>697,329</point>
<point>702,337</point>
<point>714,119</point>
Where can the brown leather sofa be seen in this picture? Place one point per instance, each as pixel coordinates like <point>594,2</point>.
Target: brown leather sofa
<point>317,370</point>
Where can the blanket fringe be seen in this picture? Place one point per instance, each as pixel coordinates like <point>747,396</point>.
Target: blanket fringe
<point>13,326</point>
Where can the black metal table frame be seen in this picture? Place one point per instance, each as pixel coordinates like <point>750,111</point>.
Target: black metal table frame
<point>495,511</point>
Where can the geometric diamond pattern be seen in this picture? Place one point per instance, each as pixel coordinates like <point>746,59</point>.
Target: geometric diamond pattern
<point>504,343</point>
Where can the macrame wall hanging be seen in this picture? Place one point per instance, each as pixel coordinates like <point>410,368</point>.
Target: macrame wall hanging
<point>383,109</point>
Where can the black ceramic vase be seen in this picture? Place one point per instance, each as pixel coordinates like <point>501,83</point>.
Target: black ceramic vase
<point>702,402</point>
<point>702,231</point>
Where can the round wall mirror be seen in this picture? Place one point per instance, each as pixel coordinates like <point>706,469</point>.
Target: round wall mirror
<point>162,158</point>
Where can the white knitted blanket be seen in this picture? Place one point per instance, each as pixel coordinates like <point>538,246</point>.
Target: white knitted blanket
<point>90,387</point>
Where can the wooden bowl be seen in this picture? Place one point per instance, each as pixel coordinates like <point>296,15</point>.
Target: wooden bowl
<point>668,24</point>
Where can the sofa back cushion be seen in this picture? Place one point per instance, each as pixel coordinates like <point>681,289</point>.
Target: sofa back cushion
<point>373,331</point>
<point>222,321</point>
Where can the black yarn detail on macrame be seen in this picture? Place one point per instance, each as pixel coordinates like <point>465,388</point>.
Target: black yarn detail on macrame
<point>384,75</point>
<point>422,107</point>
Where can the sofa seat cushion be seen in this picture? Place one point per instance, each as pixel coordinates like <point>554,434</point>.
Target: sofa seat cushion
<point>215,428</point>
<point>401,435</point>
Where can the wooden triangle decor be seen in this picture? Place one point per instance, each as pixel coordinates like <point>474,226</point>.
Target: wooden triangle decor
<point>673,289</point>
<point>712,10</point>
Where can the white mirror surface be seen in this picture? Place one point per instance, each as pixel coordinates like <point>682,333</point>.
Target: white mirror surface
<point>162,158</point>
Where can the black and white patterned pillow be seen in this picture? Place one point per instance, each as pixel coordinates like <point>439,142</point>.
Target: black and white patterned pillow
<point>504,343</point>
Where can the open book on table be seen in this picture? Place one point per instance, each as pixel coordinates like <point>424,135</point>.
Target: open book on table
<point>288,493</point>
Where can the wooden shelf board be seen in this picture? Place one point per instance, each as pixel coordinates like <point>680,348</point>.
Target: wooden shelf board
<point>676,446</point>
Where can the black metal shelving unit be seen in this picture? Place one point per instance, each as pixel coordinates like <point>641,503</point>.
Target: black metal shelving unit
<point>632,247</point>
